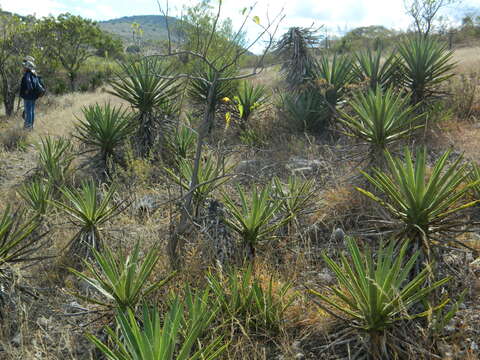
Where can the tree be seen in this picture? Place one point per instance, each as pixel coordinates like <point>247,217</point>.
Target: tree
<point>219,65</point>
<point>71,40</point>
<point>424,12</point>
<point>15,43</point>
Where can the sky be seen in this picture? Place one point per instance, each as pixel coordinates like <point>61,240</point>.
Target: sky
<point>337,16</point>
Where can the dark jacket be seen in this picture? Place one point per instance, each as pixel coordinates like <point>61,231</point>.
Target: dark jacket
<point>27,86</point>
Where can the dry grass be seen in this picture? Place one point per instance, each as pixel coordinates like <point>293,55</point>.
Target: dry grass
<point>468,60</point>
<point>46,333</point>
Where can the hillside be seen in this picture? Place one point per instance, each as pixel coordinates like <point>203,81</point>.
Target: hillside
<point>154,27</point>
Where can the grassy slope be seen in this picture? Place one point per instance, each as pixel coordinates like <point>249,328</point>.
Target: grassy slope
<point>47,335</point>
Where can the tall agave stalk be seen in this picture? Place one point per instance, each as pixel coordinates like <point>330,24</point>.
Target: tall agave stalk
<point>299,63</point>
<point>141,84</point>
<point>426,63</point>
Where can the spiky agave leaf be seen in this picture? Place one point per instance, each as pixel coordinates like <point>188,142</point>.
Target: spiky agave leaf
<point>374,67</point>
<point>88,212</point>
<point>424,205</point>
<point>426,63</point>
<point>250,98</point>
<point>182,330</point>
<point>104,128</point>
<point>374,295</point>
<point>253,218</point>
<point>122,280</point>
<point>380,118</point>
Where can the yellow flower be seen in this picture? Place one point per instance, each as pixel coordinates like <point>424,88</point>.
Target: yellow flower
<point>226,99</point>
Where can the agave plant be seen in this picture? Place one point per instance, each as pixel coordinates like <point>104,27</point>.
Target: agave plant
<point>210,177</point>
<point>181,143</point>
<point>299,64</point>
<point>104,129</point>
<point>55,160</point>
<point>295,196</point>
<point>37,195</point>
<point>178,339</point>
<point>88,213</point>
<point>374,296</point>
<point>380,119</point>
<point>426,63</point>
<point>424,206</point>
<point>240,296</point>
<point>474,177</point>
<point>122,280</point>
<point>372,67</point>
<point>334,75</point>
<point>254,220</point>
<point>143,85</point>
<point>19,241</point>
<point>200,85</point>
<point>249,99</point>
<point>306,111</point>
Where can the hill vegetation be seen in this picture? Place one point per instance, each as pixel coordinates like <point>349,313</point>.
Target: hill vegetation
<point>188,208</point>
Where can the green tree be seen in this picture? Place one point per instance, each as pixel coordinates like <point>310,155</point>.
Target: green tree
<point>71,40</point>
<point>15,42</point>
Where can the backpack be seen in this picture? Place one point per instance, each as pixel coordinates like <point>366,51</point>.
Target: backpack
<point>38,87</point>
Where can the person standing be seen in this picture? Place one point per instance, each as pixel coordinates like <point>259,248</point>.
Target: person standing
<point>27,91</point>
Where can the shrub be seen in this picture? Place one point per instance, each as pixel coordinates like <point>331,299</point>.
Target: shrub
<point>306,111</point>
<point>374,296</point>
<point>295,196</point>
<point>210,177</point>
<point>370,66</point>
<point>334,75</point>
<point>19,241</point>
<point>198,88</point>
<point>14,139</point>
<point>181,143</point>
<point>37,194</point>
<point>249,99</point>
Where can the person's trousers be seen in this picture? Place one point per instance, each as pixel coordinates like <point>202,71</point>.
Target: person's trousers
<point>29,113</point>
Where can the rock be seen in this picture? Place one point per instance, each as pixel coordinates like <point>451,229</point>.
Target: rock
<point>17,339</point>
<point>43,322</point>
<point>296,345</point>
<point>326,277</point>
<point>146,204</point>
<point>299,356</point>
<point>338,235</point>
<point>298,165</point>
<point>249,167</point>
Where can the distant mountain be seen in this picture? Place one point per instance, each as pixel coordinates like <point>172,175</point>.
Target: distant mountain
<point>154,27</point>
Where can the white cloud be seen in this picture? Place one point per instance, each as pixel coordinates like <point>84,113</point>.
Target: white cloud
<point>38,8</point>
